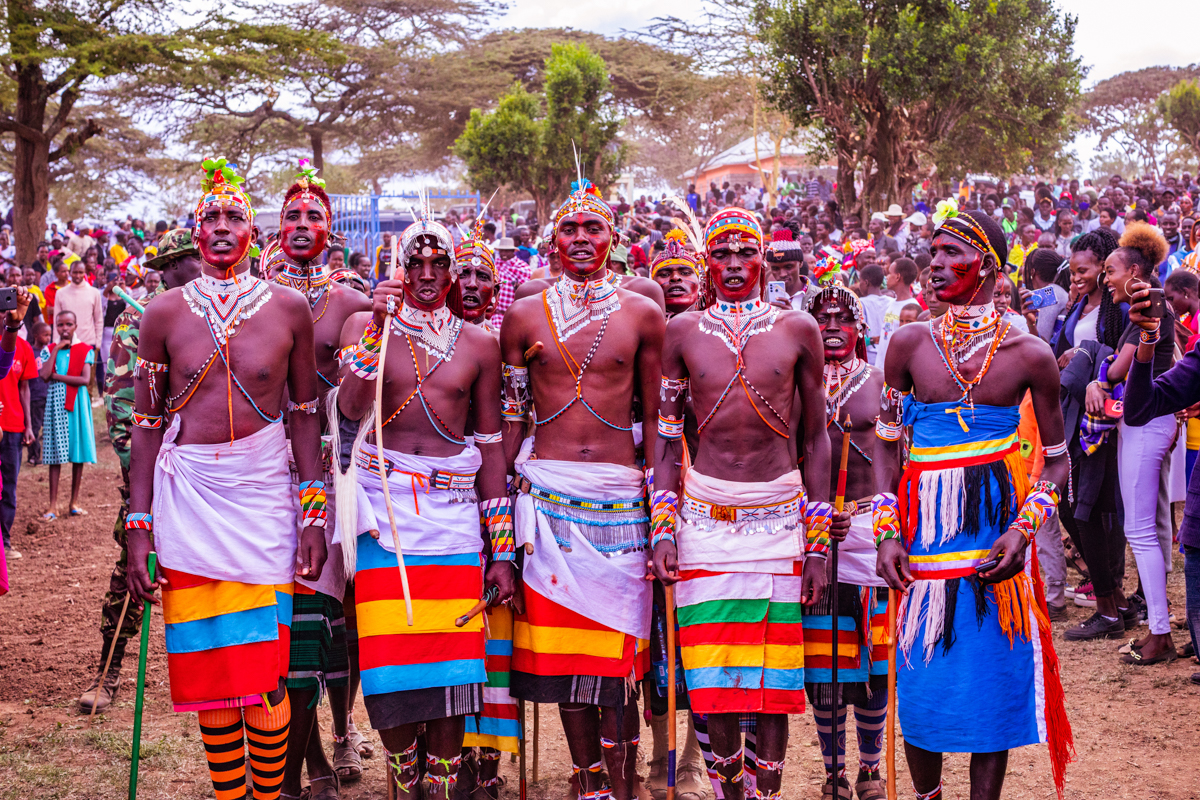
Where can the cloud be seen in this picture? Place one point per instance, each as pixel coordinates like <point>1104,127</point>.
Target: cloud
<point>601,16</point>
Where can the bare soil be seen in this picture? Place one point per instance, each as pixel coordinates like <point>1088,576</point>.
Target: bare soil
<point>1136,729</point>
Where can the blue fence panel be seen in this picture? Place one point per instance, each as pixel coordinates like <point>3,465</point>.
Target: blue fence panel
<point>360,218</point>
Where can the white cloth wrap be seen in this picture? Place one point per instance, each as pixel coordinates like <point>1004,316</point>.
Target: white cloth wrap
<point>227,511</point>
<point>333,577</point>
<point>435,524</point>
<point>612,590</point>
<point>856,555</point>
<point>733,546</point>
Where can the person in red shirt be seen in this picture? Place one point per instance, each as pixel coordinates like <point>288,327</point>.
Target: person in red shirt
<point>15,424</point>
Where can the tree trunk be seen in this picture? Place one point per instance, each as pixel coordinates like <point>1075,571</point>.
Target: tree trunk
<point>845,177</point>
<point>31,166</point>
<point>317,138</point>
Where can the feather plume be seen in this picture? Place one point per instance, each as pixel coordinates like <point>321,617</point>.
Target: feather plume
<point>696,230</point>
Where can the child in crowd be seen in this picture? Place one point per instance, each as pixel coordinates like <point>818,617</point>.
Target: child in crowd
<point>38,388</point>
<point>69,432</point>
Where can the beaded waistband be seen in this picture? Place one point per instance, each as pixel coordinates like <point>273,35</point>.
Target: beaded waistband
<point>770,518</point>
<point>435,479</point>
<point>612,527</point>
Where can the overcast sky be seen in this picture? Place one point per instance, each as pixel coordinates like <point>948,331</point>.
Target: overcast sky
<point>1110,37</point>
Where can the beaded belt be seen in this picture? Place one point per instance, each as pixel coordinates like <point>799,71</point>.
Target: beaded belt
<point>437,479</point>
<point>770,518</point>
<point>612,527</point>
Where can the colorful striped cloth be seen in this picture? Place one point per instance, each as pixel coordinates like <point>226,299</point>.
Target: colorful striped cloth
<point>862,661</point>
<point>228,643</point>
<point>433,653</point>
<point>499,726</point>
<point>742,639</point>
<point>555,649</point>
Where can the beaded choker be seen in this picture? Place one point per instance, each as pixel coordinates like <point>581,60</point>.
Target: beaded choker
<point>841,381</point>
<point>436,331</point>
<point>311,281</point>
<point>225,302</point>
<point>735,323</point>
<point>576,304</point>
<point>968,329</point>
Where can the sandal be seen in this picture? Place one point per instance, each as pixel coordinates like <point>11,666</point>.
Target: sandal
<point>347,762</point>
<point>843,790</point>
<point>49,516</point>
<point>1128,647</point>
<point>330,792</point>
<point>1136,658</point>
<point>364,748</point>
<point>872,788</point>
<point>78,512</point>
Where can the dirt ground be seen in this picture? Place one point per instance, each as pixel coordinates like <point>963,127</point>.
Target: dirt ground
<point>1135,729</point>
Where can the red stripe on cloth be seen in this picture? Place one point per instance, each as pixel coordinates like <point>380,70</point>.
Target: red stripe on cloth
<point>792,633</point>
<point>689,574</point>
<point>500,710</point>
<point>284,649</point>
<point>432,582</point>
<point>552,664</point>
<point>720,701</point>
<point>183,580</point>
<point>942,574</point>
<point>497,663</point>
<point>546,613</point>
<point>783,701</point>
<point>722,633</point>
<point>300,588</point>
<point>418,648</point>
<point>237,671</point>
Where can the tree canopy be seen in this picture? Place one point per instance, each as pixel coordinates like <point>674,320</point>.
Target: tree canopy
<point>1180,108</point>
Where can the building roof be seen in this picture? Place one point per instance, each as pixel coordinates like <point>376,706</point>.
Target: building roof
<point>743,152</point>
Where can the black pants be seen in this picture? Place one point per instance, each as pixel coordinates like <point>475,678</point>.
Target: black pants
<point>1101,537</point>
<point>10,468</point>
<point>37,415</point>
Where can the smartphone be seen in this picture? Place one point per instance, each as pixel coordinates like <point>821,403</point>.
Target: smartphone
<point>776,292</point>
<point>1040,298</point>
<point>987,566</point>
<point>8,298</point>
<point>1158,305</point>
<point>1113,409</point>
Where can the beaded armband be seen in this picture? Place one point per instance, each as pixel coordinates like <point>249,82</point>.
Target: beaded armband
<point>514,398</point>
<point>148,421</point>
<point>1054,450</point>
<point>313,504</point>
<point>818,519</point>
<point>885,517</point>
<point>890,398</point>
<point>364,362</point>
<point>496,516</point>
<point>664,513</point>
<point>139,522</point>
<point>152,369</point>
<point>670,428</point>
<point>1148,337</point>
<point>308,408</point>
<point>1039,505</point>
<point>489,438</point>
<point>673,389</point>
<point>888,431</point>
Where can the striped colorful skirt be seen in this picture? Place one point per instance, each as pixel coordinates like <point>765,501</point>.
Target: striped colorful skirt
<point>431,670</point>
<point>228,643</point>
<point>563,657</point>
<point>742,638</point>
<point>499,726</point>
<point>862,645</point>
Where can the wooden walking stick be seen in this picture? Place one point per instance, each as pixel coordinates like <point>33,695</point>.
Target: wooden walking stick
<point>523,787</point>
<point>112,648</point>
<point>139,703</point>
<point>893,604</point>
<point>838,501</point>
<point>537,725</point>
<point>383,471</point>
<point>670,607</point>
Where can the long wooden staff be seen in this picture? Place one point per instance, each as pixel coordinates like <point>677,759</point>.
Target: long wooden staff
<point>523,786</point>
<point>684,465</point>
<point>383,471</point>
<point>893,604</point>
<point>112,648</point>
<point>838,501</point>
<point>139,703</point>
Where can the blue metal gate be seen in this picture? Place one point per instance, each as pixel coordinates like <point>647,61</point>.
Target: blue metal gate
<point>359,217</point>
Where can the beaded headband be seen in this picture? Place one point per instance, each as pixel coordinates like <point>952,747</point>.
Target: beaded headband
<point>427,237</point>
<point>948,219</point>
<point>476,253</point>
<point>814,298</point>
<point>735,222</point>
<point>584,199</point>
<point>674,254</point>
<point>306,177</point>
<point>222,187</point>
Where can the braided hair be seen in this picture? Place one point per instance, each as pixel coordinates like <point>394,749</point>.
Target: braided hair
<point>1101,243</point>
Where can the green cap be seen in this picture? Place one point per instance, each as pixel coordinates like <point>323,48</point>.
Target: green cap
<point>620,254</point>
<point>174,244</point>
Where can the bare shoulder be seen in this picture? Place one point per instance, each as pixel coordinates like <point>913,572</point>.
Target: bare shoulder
<point>909,335</point>
<point>354,326</point>
<point>530,288</point>
<point>646,288</point>
<point>1031,350</point>
<point>350,300</point>
<point>165,308</point>
<point>524,306</point>
<point>290,299</point>
<point>481,344</point>
<point>798,322</point>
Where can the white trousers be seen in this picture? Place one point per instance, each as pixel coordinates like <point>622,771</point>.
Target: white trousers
<point>1141,453</point>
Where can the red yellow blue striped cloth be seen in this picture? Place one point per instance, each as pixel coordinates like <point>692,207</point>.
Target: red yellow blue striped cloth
<point>228,643</point>
<point>499,725</point>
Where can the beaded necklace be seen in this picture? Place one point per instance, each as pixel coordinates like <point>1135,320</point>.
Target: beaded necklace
<point>576,304</point>
<point>435,331</point>
<point>841,381</point>
<point>311,281</point>
<point>226,302</point>
<point>734,324</point>
<point>943,343</point>
<point>970,328</point>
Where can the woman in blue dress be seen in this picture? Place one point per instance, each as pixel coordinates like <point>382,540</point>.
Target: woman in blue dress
<point>68,433</point>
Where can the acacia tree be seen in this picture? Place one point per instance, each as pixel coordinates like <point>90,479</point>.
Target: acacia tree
<point>1180,107</point>
<point>528,142</point>
<point>889,84</point>
<point>53,54</point>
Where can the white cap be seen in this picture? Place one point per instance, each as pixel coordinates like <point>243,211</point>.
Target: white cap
<point>894,210</point>
<point>917,218</point>
<point>879,215</point>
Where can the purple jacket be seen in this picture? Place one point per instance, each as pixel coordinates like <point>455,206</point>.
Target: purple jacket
<point>1147,398</point>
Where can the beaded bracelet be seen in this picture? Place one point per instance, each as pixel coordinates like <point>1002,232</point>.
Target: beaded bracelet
<point>1040,503</point>
<point>818,520</point>
<point>514,399</point>
<point>496,516</point>
<point>670,428</point>
<point>888,431</point>
<point>309,407</point>
<point>148,421</point>
<point>664,514</point>
<point>141,522</point>
<point>365,361</point>
<point>675,387</point>
<point>313,503</point>
<point>1148,337</point>
<point>488,438</point>
<point>885,517</point>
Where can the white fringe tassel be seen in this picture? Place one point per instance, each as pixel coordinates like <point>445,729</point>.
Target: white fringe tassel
<point>941,492</point>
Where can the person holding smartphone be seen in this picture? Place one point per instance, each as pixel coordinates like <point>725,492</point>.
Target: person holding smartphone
<point>1142,448</point>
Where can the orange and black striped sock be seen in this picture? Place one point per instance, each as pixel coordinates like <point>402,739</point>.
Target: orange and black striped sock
<point>221,731</point>
<point>268,732</point>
